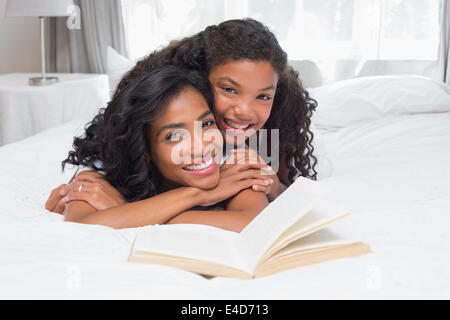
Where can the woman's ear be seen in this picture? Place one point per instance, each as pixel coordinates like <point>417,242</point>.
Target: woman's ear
<point>148,159</point>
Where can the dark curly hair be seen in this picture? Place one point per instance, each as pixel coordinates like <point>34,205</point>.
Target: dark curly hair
<point>116,141</point>
<point>248,39</point>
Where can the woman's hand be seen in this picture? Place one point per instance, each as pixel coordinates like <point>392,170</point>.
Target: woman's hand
<point>91,187</point>
<point>233,179</point>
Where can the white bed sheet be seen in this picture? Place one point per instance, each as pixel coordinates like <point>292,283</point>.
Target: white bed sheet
<point>393,174</point>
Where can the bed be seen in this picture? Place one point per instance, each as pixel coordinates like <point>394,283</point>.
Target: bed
<point>382,142</point>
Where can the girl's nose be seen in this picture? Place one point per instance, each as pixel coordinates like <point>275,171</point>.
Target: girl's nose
<point>243,111</point>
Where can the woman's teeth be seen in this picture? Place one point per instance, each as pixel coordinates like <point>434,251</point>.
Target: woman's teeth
<point>202,166</point>
<point>237,126</point>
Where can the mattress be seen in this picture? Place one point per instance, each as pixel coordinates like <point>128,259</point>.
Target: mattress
<point>392,173</point>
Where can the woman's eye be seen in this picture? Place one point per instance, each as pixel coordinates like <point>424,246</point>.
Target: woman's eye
<point>208,123</point>
<point>263,97</point>
<point>174,136</point>
<point>228,90</point>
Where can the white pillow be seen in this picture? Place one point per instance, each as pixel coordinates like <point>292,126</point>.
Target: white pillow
<point>117,66</point>
<point>347,102</point>
<point>324,167</point>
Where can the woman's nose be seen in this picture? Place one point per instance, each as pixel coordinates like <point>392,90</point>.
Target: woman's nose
<point>198,146</point>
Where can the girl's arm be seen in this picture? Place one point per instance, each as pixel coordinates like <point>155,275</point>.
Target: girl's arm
<point>280,181</point>
<point>101,195</point>
<point>248,202</point>
<point>240,211</point>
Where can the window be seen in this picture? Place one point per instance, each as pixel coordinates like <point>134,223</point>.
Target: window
<point>324,31</point>
<point>150,24</point>
<point>355,29</point>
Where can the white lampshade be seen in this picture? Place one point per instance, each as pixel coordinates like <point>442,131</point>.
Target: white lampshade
<point>38,8</point>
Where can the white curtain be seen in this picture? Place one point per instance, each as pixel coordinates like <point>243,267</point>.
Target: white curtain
<point>343,38</point>
<point>84,49</point>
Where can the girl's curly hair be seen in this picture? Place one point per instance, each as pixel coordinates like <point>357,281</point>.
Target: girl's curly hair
<point>116,141</point>
<point>248,39</point>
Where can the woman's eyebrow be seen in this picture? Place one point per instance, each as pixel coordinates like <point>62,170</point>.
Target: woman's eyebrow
<point>181,125</point>
<point>170,126</point>
<point>204,115</point>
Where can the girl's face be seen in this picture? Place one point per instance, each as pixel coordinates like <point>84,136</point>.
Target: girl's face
<point>185,143</point>
<point>244,91</point>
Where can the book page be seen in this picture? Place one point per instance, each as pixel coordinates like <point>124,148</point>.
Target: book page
<point>320,246</point>
<point>320,239</point>
<point>317,218</point>
<point>199,242</point>
<point>277,217</point>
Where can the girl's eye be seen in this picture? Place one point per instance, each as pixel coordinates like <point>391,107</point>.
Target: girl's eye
<point>228,90</point>
<point>263,97</point>
<point>208,123</point>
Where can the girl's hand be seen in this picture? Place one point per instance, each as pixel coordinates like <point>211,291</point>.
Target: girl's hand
<point>55,202</point>
<point>95,190</point>
<point>233,179</point>
<point>250,156</point>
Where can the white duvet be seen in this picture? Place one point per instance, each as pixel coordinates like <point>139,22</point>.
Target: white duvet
<point>393,173</point>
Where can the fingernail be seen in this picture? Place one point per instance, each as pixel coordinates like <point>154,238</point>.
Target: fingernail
<point>271,181</point>
<point>61,192</point>
<point>66,199</point>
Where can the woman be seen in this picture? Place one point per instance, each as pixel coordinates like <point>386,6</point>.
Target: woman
<point>254,88</point>
<point>159,136</point>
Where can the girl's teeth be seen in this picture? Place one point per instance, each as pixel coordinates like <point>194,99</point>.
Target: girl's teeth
<point>236,126</point>
<point>201,166</point>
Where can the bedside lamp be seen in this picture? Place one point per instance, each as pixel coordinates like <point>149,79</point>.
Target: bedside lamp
<point>41,9</point>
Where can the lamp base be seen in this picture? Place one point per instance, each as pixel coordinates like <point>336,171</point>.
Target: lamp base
<point>40,81</point>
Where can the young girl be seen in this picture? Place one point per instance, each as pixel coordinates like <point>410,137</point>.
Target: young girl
<point>137,143</point>
<point>253,88</point>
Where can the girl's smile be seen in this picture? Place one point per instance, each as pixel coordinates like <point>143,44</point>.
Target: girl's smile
<point>236,126</point>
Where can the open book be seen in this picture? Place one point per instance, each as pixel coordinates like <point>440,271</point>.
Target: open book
<point>288,233</point>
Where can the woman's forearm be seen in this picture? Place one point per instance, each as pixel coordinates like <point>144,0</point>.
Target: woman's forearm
<point>228,220</point>
<point>155,210</point>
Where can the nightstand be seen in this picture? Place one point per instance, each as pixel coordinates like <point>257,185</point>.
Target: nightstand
<point>26,110</point>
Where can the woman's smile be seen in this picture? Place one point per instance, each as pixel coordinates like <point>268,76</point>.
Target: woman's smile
<point>204,168</point>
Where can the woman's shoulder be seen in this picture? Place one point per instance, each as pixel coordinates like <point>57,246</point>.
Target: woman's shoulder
<point>86,170</point>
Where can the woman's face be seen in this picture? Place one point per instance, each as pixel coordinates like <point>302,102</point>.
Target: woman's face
<point>185,143</point>
<point>244,91</point>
